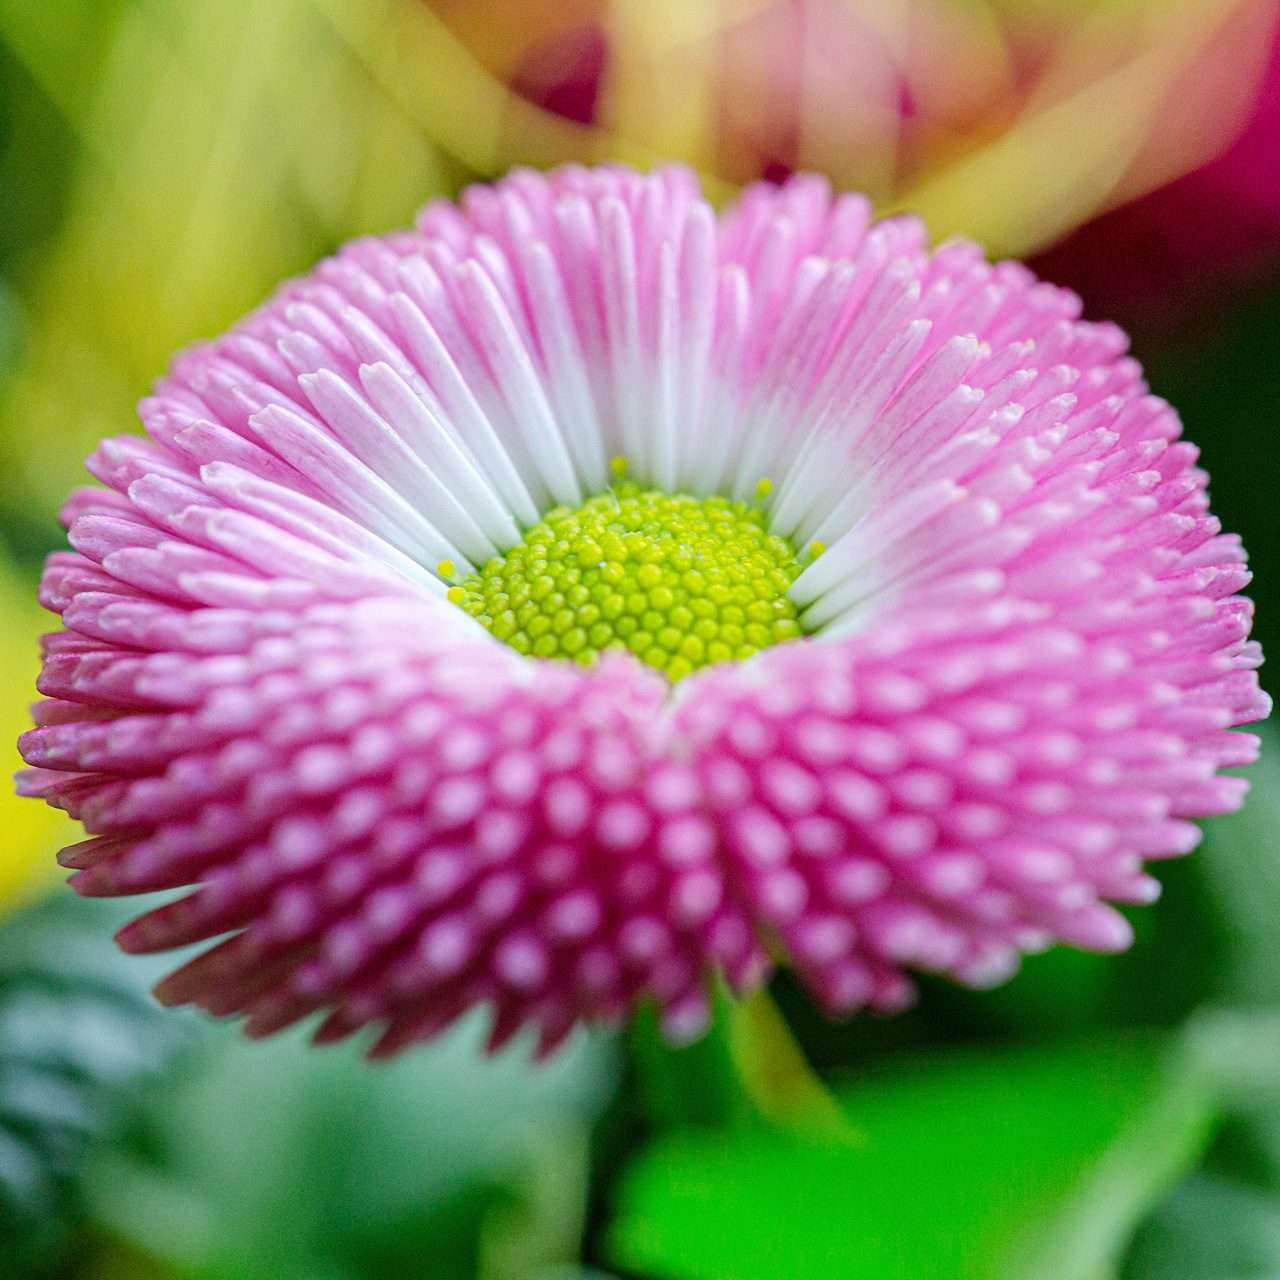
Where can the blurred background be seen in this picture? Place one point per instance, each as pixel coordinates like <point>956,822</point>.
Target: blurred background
<point>162,166</point>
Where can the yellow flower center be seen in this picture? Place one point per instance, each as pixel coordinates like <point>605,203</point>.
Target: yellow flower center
<point>679,581</point>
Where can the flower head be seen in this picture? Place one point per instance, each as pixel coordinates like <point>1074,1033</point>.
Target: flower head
<point>581,594</point>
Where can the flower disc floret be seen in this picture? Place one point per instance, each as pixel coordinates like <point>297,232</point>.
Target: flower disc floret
<point>679,581</point>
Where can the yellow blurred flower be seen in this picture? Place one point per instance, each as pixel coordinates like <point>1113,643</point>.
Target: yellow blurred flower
<point>1009,120</point>
<point>32,832</point>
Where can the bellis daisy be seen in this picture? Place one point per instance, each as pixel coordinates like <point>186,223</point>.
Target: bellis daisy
<point>582,594</point>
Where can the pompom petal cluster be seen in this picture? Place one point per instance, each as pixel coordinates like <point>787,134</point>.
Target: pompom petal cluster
<point>1028,647</point>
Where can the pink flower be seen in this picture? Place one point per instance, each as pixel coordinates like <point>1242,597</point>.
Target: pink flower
<point>984,643</point>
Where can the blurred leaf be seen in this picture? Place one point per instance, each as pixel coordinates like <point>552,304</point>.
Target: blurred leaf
<point>79,1039</point>
<point>284,1160</point>
<point>545,1226</point>
<point>570,1273</point>
<point>59,42</point>
<point>219,148</point>
<point>689,1084</point>
<point>1031,1165</point>
<point>1237,1050</point>
<point>1210,1228</point>
<point>1240,866</point>
<point>1248,1148</point>
<point>776,1075</point>
<point>1224,1222</point>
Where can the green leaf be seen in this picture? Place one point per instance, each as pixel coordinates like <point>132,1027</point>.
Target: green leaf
<point>570,1273</point>
<point>689,1084</point>
<point>80,1039</point>
<point>1210,1228</point>
<point>1018,1165</point>
<point>285,1160</point>
<point>1239,863</point>
<point>747,1067</point>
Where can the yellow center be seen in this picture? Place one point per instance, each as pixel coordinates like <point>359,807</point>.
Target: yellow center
<point>679,581</point>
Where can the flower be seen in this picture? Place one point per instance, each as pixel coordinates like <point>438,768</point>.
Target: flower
<point>899,632</point>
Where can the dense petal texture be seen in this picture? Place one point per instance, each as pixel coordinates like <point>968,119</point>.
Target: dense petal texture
<point>1025,650</point>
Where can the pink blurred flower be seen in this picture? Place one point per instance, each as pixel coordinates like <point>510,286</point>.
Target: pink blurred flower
<point>1024,652</point>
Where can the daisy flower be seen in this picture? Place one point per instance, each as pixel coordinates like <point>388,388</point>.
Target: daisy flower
<point>582,594</point>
